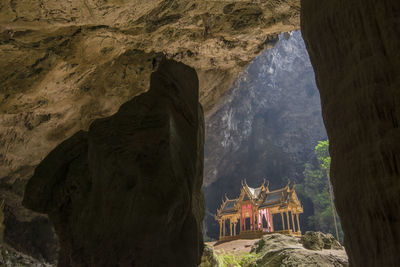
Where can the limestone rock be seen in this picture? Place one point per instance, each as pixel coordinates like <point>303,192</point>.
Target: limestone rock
<point>10,257</point>
<point>354,48</point>
<point>128,191</point>
<point>28,232</point>
<point>318,241</point>
<point>209,258</point>
<point>277,250</point>
<point>312,240</point>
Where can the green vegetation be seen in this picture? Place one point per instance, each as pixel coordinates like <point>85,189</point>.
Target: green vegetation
<point>317,187</point>
<point>231,260</point>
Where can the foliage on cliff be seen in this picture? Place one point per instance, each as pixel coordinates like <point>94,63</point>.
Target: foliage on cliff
<point>316,187</point>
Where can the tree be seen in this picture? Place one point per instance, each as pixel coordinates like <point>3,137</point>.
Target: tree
<point>317,188</point>
<point>322,153</point>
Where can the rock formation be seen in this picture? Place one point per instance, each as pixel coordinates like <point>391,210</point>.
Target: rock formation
<point>9,257</point>
<point>354,48</point>
<point>318,241</point>
<point>128,191</point>
<point>266,126</point>
<point>281,250</point>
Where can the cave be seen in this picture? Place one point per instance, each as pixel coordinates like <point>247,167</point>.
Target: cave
<point>69,67</point>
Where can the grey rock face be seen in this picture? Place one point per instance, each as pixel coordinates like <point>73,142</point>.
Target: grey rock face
<point>266,126</point>
<point>354,48</point>
<point>128,191</point>
<point>318,241</point>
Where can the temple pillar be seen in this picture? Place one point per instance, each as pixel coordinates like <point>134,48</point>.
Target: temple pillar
<point>234,228</point>
<point>254,221</point>
<point>294,228</point>
<point>223,227</point>
<point>298,224</point>
<point>231,230</point>
<point>220,229</point>
<point>287,219</point>
<point>272,222</point>
<point>283,221</point>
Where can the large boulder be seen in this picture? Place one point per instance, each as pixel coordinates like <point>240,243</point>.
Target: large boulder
<point>128,191</point>
<point>318,241</point>
<point>277,250</point>
<point>209,258</point>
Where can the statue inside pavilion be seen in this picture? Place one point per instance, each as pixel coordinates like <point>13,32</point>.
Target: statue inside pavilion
<point>252,214</point>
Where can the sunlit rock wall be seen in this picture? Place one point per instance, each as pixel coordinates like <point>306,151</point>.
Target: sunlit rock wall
<point>354,48</point>
<point>266,126</point>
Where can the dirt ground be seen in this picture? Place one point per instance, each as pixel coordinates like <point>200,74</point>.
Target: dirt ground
<point>235,247</point>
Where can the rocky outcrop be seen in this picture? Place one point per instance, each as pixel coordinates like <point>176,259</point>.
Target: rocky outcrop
<point>281,250</point>
<point>128,191</point>
<point>319,241</point>
<point>9,257</point>
<point>28,232</point>
<point>265,126</point>
<point>209,258</point>
<point>354,48</point>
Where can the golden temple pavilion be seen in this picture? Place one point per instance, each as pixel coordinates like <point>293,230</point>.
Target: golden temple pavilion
<point>251,215</point>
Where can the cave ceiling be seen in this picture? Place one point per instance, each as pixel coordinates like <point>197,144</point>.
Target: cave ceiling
<point>66,63</point>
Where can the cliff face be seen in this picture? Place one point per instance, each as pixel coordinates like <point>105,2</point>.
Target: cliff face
<point>266,126</point>
<point>354,48</point>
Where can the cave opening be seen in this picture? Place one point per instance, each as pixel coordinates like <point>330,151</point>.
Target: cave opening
<point>267,127</point>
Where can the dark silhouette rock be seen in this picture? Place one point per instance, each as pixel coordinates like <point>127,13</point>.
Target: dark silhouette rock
<point>354,48</point>
<point>128,191</point>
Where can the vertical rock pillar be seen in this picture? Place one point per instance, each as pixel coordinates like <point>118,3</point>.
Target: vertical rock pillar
<point>354,49</point>
<point>128,191</point>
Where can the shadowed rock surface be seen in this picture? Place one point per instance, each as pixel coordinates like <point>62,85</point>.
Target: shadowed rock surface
<point>128,191</point>
<point>354,48</point>
<point>9,257</point>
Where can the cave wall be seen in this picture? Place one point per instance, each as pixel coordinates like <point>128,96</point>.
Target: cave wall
<point>128,191</point>
<point>265,127</point>
<point>354,49</point>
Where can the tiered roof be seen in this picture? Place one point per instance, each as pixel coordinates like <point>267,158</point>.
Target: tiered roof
<point>261,197</point>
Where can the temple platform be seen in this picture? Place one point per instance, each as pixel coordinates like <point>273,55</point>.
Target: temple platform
<point>256,234</point>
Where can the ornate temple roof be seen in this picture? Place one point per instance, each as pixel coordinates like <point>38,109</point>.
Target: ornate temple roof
<point>260,197</point>
<point>229,206</point>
